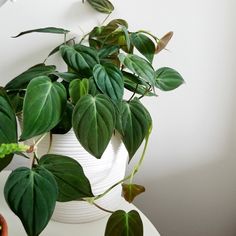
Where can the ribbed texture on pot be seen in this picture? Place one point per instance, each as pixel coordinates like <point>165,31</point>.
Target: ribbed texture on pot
<point>102,174</point>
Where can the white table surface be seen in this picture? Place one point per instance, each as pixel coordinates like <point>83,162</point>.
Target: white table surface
<point>96,228</point>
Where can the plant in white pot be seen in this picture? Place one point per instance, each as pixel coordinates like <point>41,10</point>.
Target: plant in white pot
<point>86,105</point>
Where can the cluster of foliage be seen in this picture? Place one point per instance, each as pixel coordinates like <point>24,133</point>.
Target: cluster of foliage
<point>88,97</point>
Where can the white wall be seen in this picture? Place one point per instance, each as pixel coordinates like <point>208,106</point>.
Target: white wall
<point>190,168</point>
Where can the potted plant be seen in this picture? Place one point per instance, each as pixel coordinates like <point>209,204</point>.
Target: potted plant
<point>3,226</point>
<point>87,100</point>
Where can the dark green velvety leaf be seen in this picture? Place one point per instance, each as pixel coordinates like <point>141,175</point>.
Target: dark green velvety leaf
<point>135,125</point>
<point>81,60</point>
<point>22,80</point>
<point>43,108</point>
<point>109,80</point>
<point>131,191</point>
<point>144,45</point>
<point>94,123</point>
<point>67,76</point>
<point>31,195</point>
<point>77,89</point>
<point>51,30</point>
<point>168,79</point>
<point>93,88</point>
<point>65,123</point>
<point>8,128</point>
<point>108,51</point>
<point>71,180</point>
<point>121,223</point>
<point>104,6</point>
<point>139,66</point>
<point>134,84</point>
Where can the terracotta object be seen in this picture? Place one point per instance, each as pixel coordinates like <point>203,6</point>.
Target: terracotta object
<point>3,223</point>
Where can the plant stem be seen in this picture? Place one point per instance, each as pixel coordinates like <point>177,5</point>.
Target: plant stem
<point>147,90</point>
<point>101,208</point>
<point>133,93</point>
<point>137,167</point>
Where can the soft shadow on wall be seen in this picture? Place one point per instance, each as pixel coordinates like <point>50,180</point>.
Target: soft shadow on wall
<point>197,201</point>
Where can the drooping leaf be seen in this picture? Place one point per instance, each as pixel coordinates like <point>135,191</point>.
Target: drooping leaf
<point>65,123</point>
<point>78,88</point>
<point>71,180</point>
<point>104,6</point>
<point>144,45</point>
<point>121,223</point>
<point>134,84</point>
<point>131,191</point>
<point>31,195</point>
<point>168,79</point>
<point>67,76</point>
<point>82,61</point>
<point>51,30</point>
<point>94,122</point>
<point>119,22</point>
<point>139,66</point>
<point>135,125</point>
<point>22,80</point>
<point>43,107</point>
<point>109,80</point>
<point>164,41</point>
<point>8,128</point>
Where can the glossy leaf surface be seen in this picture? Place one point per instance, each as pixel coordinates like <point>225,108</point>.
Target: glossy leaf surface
<point>109,80</point>
<point>43,108</point>
<point>135,125</point>
<point>168,79</point>
<point>121,223</point>
<point>71,180</point>
<point>31,195</point>
<point>22,80</point>
<point>94,122</point>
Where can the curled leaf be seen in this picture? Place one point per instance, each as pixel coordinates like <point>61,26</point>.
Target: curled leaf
<point>103,6</point>
<point>130,191</point>
<point>164,41</point>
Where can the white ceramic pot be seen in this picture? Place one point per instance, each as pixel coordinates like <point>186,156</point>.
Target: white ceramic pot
<point>102,174</point>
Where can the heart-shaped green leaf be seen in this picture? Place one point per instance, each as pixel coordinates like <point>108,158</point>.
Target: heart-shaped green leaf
<point>51,30</point>
<point>136,123</point>
<point>109,80</point>
<point>22,80</point>
<point>8,128</point>
<point>31,195</point>
<point>130,191</point>
<point>168,79</point>
<point>121,223</point>
<point>80,58</point>
<point>71,180</point>
<point>94,122</point>
<point>104,6</point>
<point>78,88</point>
<point>43,108</point>
<point>144,45</point>
<point>139,66</point>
